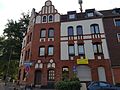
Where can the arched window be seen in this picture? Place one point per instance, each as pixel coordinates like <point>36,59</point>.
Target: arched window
<point>84,73</point>
<point>65,73</point>
<point>44,19</point>
<point>101,74</point>
<point>51,33</point>
<point>70,31</point>
<point>42,33</point>
<point>94,29</point>
<point>50,18</point>
<point>79,30</point>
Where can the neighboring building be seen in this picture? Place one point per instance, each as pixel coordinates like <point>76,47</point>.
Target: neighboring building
<point>112,30</point>
<point>57,46</point>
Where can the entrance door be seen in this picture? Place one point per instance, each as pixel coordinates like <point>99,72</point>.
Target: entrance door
<point>37,77</point>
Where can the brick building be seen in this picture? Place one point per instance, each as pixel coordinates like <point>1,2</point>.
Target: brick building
<point>57,46</point>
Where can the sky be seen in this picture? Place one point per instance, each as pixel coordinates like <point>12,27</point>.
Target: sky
<point>12,9</point>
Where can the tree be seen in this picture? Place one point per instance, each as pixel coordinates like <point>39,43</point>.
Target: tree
<point>10,44</point>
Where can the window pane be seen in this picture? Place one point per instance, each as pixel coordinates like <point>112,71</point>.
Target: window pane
<point>90,14</point>
<point>81,49</point>
<point>97,29</point>
<point>43,33</point>
<point>44,19</point>
<point>99,48</point>
<point>117,22</point>
<point>51,75</point>
<point>95,48</point>
<point>50,50</point>
<point>50,18</point>
<point>51,33</point>
<point>42,51</point>
<point>72,16</point>
<point>92,29</point>
<point>71,50</point>
<point>79,30</point>
<point>70,31</point>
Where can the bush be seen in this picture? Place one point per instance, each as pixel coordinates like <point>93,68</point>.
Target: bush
<point>73,84</point>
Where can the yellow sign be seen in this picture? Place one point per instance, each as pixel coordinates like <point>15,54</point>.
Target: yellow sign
<point>82,61</point>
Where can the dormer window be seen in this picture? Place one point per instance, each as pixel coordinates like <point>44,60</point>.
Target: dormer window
<point>72,16</point>
<point>90,14</point>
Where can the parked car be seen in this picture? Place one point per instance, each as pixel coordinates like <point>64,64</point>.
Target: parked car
<point>100,85</point>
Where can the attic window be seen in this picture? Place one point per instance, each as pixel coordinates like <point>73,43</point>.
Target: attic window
<point>72,16</point>
<point>90,14</point>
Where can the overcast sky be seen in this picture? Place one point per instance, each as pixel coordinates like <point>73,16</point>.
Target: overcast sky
<point>12,9</point>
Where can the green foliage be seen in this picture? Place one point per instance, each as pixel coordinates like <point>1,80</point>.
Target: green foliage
<point>10,45</point>
<point>73,84</point>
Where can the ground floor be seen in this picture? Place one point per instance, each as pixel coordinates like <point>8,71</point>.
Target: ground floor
<point>46,74</point>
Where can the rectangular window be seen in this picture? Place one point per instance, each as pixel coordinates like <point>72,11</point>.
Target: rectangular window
<point>72,16</point>
<point>117,22</point>
<point>90,14</point>
<point>42,33</point>
<point>50,50</point>
<point>81,49</point>
<point>118,36</point>
<point>71,50</point>
<point>51,33</point>
<point>97,48</point>
<point>42,51</point>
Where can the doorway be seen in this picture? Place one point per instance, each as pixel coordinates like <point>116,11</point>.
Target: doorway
<point>38,77</point>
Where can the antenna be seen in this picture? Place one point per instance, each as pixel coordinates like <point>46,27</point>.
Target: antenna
<point>80,2</point>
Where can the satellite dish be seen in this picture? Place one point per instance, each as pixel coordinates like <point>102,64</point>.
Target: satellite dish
<point>80,1</point>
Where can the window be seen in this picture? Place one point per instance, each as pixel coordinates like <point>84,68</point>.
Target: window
<point>118,36</point>
<point>72,16</point>
<point>51,33</point>
<point>42,51</point>
<point>79,30</point>
<point>90,14</point>
<point>50,18</point>
<point>44,19</point>
<point>50,50</point>
<point>97,48</point>
<point>117,22</point>
<point>42,33</point>
<point>51,75</point>
<point>71,49</point>
<point>94,29</point>
<point>70,31</point>
<point>81,49</point>
<point>65,73</point>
